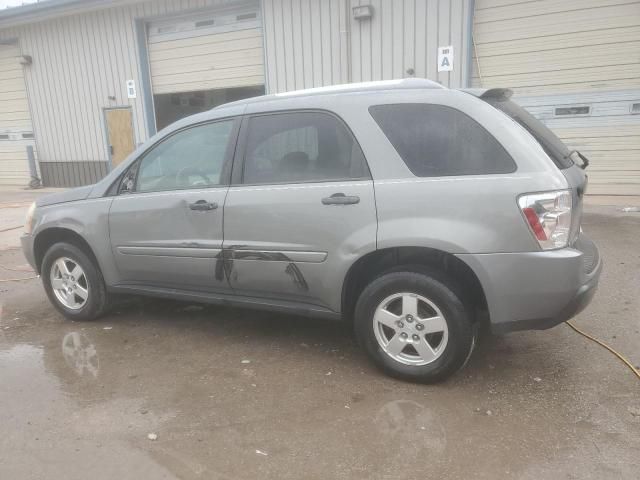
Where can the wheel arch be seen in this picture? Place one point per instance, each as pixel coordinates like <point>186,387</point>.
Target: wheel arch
<point>50,236</point>
<point>378,262</point>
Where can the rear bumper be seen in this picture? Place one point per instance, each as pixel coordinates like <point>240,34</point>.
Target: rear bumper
<point>537,290</point>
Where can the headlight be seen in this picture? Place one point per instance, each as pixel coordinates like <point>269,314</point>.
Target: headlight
<point>28,223</point>
<point>548,216</point>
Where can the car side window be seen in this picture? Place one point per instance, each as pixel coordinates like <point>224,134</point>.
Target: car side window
<point>301,147</point>
<point>191,158</point>
<point>436,140</point>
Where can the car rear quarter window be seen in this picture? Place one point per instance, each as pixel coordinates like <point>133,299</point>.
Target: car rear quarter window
<point>436,140</point>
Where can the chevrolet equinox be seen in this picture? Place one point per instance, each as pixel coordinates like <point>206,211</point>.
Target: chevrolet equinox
<point>416,211</point>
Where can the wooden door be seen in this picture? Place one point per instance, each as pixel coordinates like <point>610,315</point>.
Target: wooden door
<point>119,133</point>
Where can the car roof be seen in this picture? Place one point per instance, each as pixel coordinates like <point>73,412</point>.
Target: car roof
<point>347,88</point>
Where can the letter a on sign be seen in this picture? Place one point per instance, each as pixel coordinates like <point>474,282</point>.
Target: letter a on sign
<point>445,59</point>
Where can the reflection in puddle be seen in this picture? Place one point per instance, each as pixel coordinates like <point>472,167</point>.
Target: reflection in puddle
<point>405,420</point>
<point>80,354</point>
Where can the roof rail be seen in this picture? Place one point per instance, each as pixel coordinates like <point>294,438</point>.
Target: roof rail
<point>384,85</point>
<point>402,83</point>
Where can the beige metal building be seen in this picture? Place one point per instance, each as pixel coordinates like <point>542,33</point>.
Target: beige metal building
<point>84,81</point>
<point>102,76</point>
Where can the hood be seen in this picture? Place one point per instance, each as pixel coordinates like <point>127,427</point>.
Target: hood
<point>71,195</point>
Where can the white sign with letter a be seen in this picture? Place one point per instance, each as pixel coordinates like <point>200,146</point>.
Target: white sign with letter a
<point>445,58</point>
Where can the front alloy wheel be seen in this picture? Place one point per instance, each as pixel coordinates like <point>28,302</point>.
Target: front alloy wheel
<point>69,283</point>
<point>73,282</point>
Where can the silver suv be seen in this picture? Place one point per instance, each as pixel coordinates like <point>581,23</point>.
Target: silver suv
<point>415,211</point>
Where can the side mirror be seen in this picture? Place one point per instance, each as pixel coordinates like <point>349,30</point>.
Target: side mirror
<point>128,182</point>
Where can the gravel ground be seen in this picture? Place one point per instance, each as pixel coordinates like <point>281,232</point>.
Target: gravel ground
<point>161,389</point>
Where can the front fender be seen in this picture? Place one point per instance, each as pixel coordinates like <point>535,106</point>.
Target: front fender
<point>90,220</point>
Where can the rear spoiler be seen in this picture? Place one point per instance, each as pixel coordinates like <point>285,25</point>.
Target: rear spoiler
<point>499,94</point>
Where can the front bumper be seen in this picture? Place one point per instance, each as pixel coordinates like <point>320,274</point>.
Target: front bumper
<point>26,241</point>
<point>537,290</point>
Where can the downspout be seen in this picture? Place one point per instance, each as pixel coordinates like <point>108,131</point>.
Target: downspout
<point>345,34</point>
<point>145,76</point>
<point>264,50</point>
<point>471,44</point>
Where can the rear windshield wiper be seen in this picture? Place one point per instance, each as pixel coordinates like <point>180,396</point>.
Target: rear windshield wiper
<point>585,160</point>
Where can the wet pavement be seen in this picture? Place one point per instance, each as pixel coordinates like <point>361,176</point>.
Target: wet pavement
<point>239,394</point>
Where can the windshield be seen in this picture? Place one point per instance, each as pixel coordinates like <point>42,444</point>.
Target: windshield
<point>551,144</point>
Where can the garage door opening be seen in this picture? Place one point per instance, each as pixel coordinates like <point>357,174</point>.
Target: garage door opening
<point>174,106</point>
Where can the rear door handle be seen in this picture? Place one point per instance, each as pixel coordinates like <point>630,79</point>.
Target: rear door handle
<point>341,199</point>
<point>203,205</point>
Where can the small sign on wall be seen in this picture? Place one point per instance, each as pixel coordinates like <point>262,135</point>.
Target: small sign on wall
<point>445,59</point>
<point>131,89</point>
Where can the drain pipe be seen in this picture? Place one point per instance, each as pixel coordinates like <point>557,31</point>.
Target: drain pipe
<point>33,169</point>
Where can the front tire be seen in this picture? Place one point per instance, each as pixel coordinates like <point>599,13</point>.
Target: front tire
<point>73,282</point>
<point>415,326</point>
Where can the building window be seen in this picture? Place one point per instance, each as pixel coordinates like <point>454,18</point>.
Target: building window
<point>205,23</point>
<point>635,108</point>
<point>572,111</point>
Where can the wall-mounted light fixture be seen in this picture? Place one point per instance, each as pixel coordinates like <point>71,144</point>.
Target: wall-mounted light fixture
<point>363,12</point>
<point>25,60</point>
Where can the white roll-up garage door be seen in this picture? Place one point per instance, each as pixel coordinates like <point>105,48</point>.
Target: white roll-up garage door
<point>206,52</point>
<point>575,65</point>
<point>15,120</point>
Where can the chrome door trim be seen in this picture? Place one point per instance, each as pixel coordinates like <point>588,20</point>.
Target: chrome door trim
<point>277,255</point>
<point>155,251</point>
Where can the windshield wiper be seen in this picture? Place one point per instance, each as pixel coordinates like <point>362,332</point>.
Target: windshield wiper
<point>585,160</point>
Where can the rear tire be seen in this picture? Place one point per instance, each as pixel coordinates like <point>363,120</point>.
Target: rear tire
<point>415,326</point>
<point>73,282</point>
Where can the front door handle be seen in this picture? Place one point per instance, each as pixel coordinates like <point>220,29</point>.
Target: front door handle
<point>203,206</point>
<point>341,199</point>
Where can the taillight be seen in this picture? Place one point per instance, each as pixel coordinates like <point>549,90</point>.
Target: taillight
<point>548,216</point>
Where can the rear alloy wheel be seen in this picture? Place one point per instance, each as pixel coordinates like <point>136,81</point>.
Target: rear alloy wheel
<point>73,282</point>
<point>410,329</point>
<point>414,325</point>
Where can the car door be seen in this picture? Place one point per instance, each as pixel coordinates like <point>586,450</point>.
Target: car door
<point>165,224</point>
<point>301,208</point>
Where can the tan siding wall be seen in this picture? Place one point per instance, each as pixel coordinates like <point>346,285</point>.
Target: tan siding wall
<point>14,118</point>
<point>549,46</point>
<point>614,153</point>
<point>221,60</point>
<point>14,166</point>
<point>14,107</point>
<point>402,35</point>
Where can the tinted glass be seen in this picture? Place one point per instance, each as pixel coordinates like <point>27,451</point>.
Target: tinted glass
<point>300,147</point>
<point>192,158</point>
<point>552,145</point>
<point>434,140</point>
